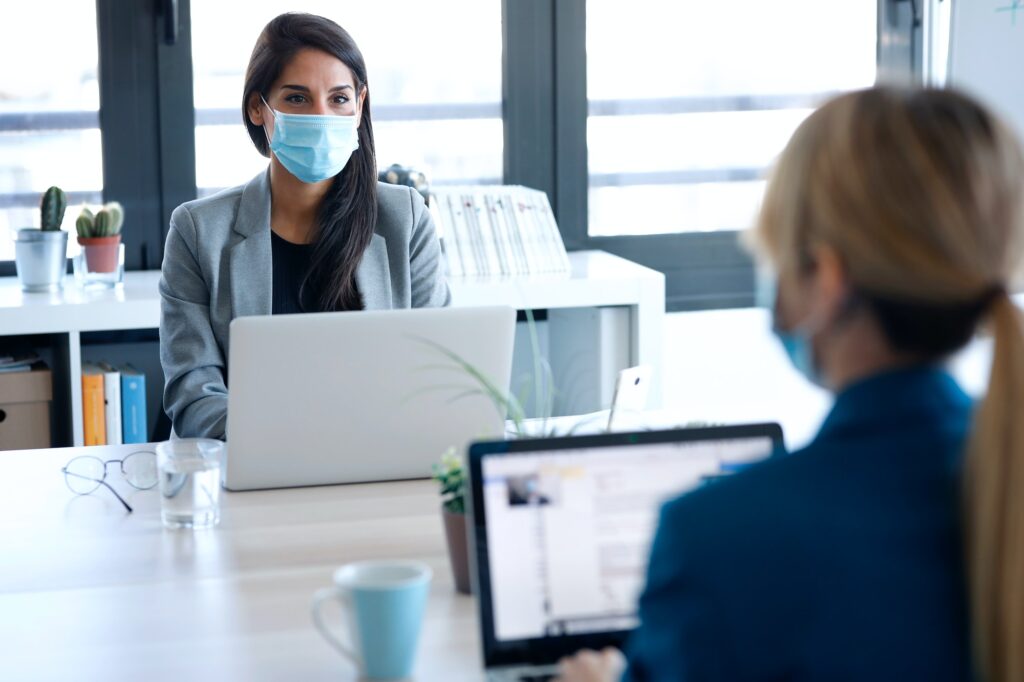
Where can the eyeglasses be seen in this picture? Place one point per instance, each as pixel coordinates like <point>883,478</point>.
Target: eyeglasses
<point>83,475</point>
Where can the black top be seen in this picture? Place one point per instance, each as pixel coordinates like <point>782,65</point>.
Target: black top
<point>290,265</point>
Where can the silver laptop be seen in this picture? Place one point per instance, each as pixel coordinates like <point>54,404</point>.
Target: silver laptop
<point>329,398</point>
<point>561,530</point>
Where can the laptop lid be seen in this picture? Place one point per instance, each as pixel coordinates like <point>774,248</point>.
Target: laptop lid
<point>326,398</point>
<point>562,527</point>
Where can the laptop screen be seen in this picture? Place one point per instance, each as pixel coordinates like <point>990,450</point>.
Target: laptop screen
<point>568,524</point>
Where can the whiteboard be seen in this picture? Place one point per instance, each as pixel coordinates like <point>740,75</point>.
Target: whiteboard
<point>986,53</point>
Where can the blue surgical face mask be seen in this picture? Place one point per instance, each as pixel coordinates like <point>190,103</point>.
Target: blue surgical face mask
<point>797,345</point>
<point>313,147</point>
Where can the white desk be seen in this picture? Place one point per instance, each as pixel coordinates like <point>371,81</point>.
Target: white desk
<point>607,314</point>
<point>89,592</point>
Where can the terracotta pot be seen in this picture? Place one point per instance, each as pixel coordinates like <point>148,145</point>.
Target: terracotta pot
<point>101,252</point>
<point>458,552</point>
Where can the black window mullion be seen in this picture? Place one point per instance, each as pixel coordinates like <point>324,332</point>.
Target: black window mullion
<point>177,120</point>
<point>528,94</point>
<point>129,123</point>
<point>571,200</point>
<point>545,106</point>
<point>145,121</point>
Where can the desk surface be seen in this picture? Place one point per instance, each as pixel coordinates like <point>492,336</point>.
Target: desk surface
<point>90,592</point>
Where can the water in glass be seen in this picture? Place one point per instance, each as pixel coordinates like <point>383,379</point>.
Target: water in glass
<point>189,490</point>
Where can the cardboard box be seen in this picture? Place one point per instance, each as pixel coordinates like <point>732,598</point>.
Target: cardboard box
<point>25,409</point>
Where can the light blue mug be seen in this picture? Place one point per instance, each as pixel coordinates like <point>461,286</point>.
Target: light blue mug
<point>383,602</point>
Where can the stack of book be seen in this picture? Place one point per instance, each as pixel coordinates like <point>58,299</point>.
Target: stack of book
<point>113,404</point>
<point>497,231</point>
<point>18,362</point>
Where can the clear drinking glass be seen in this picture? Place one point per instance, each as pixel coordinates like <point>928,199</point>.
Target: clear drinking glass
<point>189,473</point>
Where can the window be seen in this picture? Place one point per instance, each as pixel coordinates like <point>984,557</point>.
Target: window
<point>435,84</point>
<point>689,102</point>
<point>49,115</point>
<point>677,107</point>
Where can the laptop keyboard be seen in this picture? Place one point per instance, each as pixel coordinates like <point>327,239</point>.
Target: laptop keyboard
<point>544,673</point>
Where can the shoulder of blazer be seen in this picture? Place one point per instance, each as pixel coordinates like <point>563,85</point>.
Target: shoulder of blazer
<point>214,214</point>
<point>217,215</point>
<point>399,210</point>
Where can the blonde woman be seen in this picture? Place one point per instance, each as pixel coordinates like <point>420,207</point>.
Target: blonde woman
<point>892,547</point>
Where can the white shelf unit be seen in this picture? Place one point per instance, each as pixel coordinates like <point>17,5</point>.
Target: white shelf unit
<point>606,315</point>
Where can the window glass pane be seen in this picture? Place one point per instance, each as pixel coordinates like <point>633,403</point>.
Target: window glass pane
<point>49,115</point>
<point>690,101</point>
<point>435,93</point>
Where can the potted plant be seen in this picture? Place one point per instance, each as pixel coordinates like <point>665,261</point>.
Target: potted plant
<point>451,477</point>
<point>450,473</point>
<point>40,255</point>
<point>100,236</point>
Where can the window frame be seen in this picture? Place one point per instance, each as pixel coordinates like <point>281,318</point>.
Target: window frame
<point>147,141</point>
<point>545,49</point>
<point>148,138</point>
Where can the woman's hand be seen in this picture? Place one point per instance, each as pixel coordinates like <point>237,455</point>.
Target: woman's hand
<point>606,665</point>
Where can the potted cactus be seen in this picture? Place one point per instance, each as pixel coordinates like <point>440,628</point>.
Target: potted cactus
<point>40,254</point>
<point>100,236</point>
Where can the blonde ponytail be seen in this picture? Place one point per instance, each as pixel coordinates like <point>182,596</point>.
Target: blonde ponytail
<point>994,511</point>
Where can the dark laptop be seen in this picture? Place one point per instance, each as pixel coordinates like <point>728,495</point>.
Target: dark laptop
<point>561,529</point>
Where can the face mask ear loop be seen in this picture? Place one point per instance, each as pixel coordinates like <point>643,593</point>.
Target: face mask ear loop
<point>272,113</point>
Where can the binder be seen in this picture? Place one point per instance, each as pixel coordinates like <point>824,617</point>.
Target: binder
<point>449,248</point>
<point>515,234</point>
<point>93,413</point>
<point>497,219</point>
<point>481,218</point>
<point>112,403</point>
<point>133,406</point>
<point>461,234</point>
<point>499,231</point>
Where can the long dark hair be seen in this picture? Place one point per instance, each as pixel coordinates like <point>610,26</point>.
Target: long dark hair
<point>348,213</point>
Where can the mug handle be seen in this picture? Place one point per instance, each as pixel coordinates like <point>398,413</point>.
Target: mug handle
<point>331,594</point>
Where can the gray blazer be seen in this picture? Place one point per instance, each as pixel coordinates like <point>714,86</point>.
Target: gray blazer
<point>217,266</point>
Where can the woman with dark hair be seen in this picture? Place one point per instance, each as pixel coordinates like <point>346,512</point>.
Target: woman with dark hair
<point>314,232</point>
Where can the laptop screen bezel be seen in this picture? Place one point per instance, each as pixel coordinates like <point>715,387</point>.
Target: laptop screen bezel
<point>549,649</point>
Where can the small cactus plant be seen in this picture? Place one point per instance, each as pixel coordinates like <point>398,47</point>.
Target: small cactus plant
<point>84,222</point>
<point>52,208</point>
<point>106,222</point>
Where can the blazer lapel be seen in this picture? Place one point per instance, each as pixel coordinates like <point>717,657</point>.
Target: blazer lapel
<point>373,276</point>
<point>251,260</point>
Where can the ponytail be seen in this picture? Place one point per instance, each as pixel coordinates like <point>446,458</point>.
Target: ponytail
<point>919,192</point>
<point>994,496</point>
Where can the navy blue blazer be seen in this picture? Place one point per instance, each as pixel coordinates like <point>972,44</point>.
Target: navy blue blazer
<point>841,561</point>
